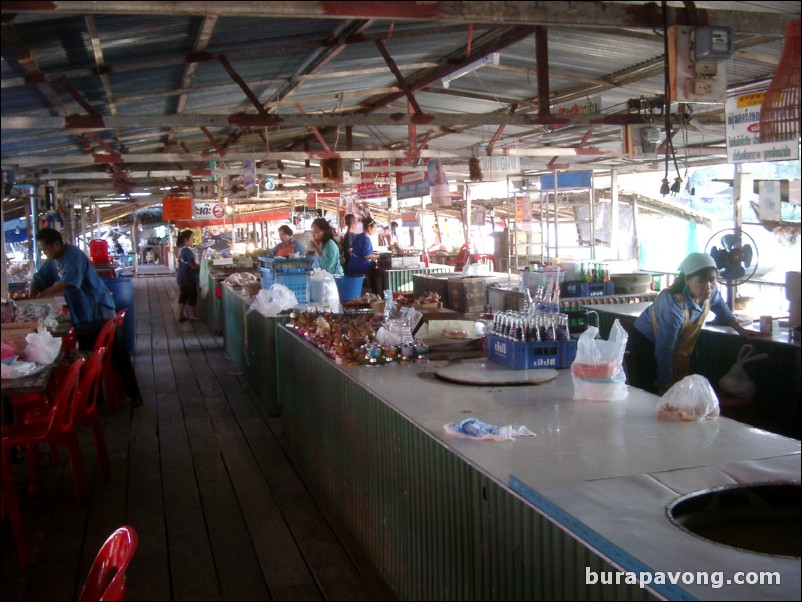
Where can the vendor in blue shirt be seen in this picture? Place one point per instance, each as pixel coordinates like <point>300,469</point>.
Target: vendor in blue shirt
<point>363,259</point>
<point>666,332</point>
<point>68,271</point>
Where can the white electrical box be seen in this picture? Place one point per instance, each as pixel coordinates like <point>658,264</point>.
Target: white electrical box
<point>696,73</point>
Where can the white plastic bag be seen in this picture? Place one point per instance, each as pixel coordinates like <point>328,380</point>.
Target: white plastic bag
<point>692,398</point>
<point>273,301</point>
<point>598,370</point>
<point>736,381</point>
<point>42,348</point>
<point>323,289</point>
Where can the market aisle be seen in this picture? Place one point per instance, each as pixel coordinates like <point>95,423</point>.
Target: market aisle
<point>204,478</point>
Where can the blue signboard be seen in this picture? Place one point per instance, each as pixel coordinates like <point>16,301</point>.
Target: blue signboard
<point>570,179</point>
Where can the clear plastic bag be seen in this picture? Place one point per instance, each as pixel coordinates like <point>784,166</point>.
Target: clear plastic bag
<point>692,398</point>
<point>736,381</point>
<point>598,370</point>
<point>473,428</point>
<point>323,289</point>
<point>273,301</point>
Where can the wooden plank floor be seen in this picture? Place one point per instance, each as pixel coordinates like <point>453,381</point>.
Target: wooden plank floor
<point>206,479</point>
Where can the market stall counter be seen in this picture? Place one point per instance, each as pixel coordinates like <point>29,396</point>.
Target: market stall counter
<point>250,341</point>
<point>534,518</point>
<point>778,381</point>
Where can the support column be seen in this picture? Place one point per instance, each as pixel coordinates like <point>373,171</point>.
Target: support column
<point>614,215</point>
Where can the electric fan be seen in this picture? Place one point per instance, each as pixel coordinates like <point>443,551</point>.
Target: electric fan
<point>736,257</point>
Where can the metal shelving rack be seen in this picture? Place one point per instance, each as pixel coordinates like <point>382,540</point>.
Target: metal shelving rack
<point>555,199</point>
<point>526,243</point>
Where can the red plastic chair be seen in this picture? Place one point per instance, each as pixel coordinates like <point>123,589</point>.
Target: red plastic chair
<point>107,577</point>
<point>486,259</point>
<point>114,391</point>
<point>58,427</point>
<point>87,411</point>
<point>463,257</point>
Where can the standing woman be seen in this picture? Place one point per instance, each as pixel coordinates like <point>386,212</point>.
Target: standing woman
<point>324,246</point>
<point>348,238</point>
<point>186,276</point>
<point>363,259</point>
<point>666,332</point>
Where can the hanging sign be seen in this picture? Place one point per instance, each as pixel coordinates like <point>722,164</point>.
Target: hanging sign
<point>478,218</point>
<point>742,130</point>
<point>410,184</point>
<point>374,184</point>
<point>175,208</point>
<point>209,209</point>
<point>410,219</point>
<point>438,184</point>
<point>248,173</point>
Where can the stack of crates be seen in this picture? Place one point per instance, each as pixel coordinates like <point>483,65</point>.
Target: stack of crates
<point>294,273</point>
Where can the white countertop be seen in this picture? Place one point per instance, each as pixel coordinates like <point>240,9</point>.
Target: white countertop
<point>613,466</point>
<point>779,334</point>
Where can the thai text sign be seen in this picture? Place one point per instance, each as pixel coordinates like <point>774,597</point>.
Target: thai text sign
<point>743,133</point>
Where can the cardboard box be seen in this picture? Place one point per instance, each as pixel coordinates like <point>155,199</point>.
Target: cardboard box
<point>467,295</point>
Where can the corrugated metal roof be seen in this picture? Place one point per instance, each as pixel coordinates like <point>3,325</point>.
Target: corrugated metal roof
<point>330,66</point>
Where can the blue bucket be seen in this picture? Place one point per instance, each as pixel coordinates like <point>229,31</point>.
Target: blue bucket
<point>349,287</point>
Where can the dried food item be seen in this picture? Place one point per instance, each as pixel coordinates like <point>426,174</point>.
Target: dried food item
<point>455,334</point>
<point>429,297</point>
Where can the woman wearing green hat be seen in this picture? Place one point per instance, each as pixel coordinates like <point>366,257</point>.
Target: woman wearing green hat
<point>666,332</point>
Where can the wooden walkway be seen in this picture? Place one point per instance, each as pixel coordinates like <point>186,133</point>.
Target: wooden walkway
<point>204,477</point>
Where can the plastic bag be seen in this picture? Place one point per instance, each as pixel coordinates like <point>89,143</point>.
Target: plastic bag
<point>323,289</point>
<point>273,301</point>
<point>472,428</point>
<point>736,381</point>
<point>598,370</point>
<point>692,398</point>
<point>42,348</point>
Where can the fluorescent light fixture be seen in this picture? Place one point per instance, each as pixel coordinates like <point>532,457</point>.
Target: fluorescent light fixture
<point>140,194</point>
<point>490,58</point>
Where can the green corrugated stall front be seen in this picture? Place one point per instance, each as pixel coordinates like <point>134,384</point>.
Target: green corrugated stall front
<point>436,527</point>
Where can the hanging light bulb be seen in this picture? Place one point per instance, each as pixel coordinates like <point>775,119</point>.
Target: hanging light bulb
<point>664,188</point>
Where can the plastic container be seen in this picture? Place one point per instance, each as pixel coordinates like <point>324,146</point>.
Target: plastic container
<point>600,391</point>
<point>520,355</point>
<point>122,291</point>
<point>593,370</point>
<point>99,251</point>
<point>297,283</point>
<point>349,287</point>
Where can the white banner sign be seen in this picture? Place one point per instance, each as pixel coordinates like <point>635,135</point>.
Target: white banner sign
<point>743,133</point>
<point>209,210</point>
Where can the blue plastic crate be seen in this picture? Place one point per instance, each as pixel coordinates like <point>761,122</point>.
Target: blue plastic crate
<point>288,265</point>
<point>520,355</point>
<point>577,288</point>
<point>268,277</point>
<point>297,283</point>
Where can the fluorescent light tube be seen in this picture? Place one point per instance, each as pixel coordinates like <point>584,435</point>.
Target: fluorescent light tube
<point>490,58</point>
